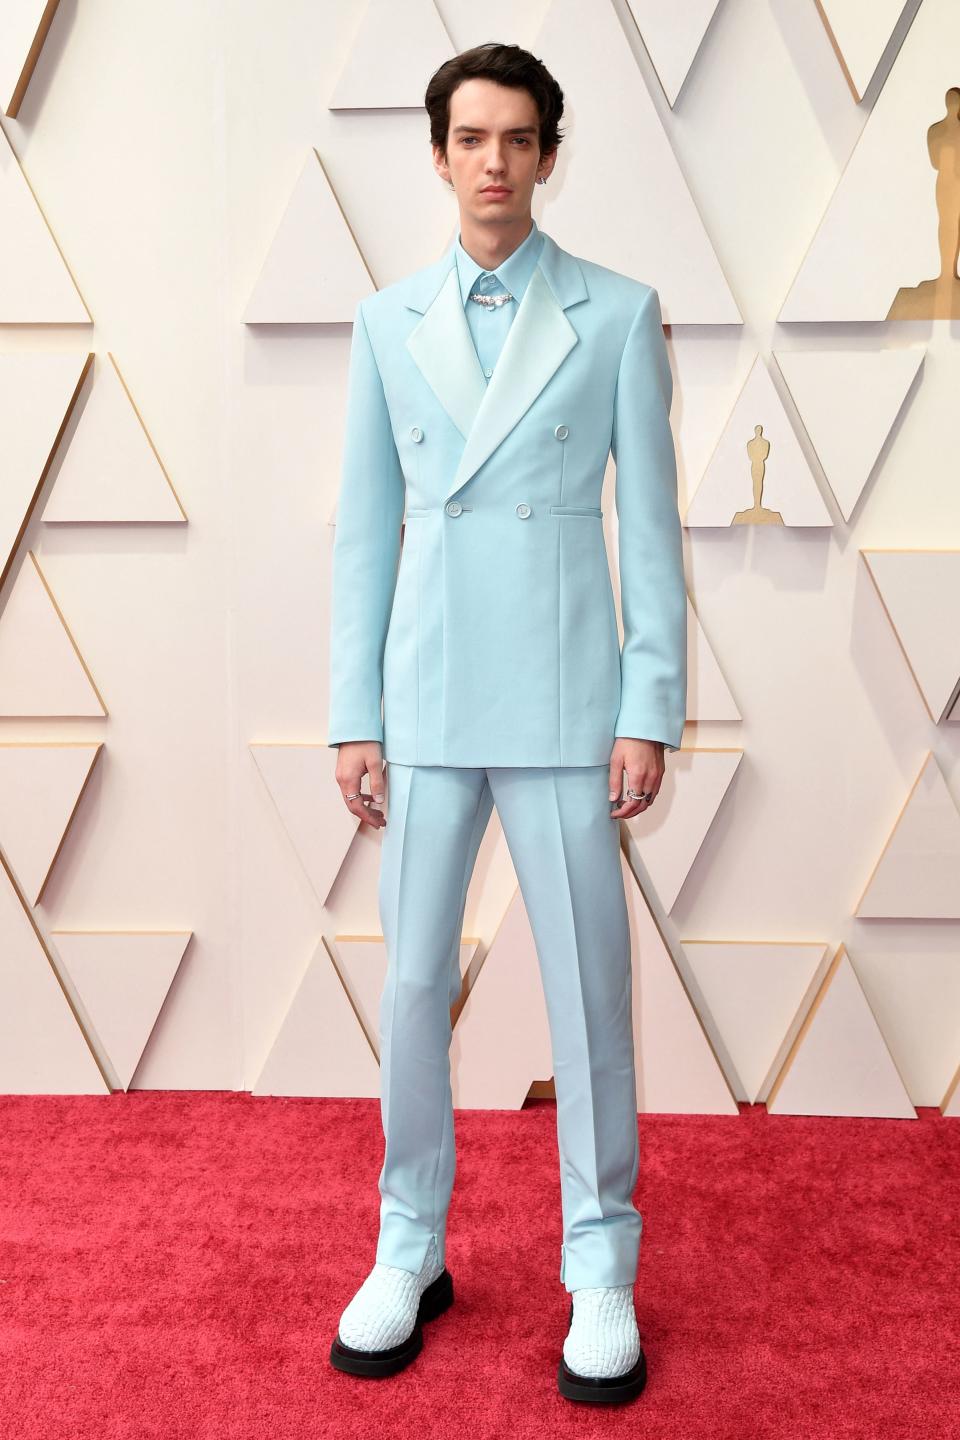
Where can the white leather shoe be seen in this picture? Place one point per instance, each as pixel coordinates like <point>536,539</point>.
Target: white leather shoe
<point>602,1360</point>
<point>380,1329</point>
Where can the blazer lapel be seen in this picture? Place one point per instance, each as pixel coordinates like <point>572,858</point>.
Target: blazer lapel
<point>539,339</point>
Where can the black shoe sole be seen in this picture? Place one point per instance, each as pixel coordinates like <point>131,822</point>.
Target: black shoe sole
<point>435,1299</point>
<point>601,1389</point>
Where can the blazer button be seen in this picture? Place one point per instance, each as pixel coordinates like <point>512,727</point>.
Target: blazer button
<point>416,433</point>
<point>523,511</point>
<point>453,507</point>
<point>561,432</point>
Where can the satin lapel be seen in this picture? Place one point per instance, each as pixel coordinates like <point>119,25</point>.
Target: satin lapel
<point>443,348</point>
<point>537,342</point>
<point>539,338</point>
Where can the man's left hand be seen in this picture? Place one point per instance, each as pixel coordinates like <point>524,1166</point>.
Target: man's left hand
<point>643,762</point>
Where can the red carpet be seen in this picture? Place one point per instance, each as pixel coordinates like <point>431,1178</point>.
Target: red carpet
<point>174,1265</point>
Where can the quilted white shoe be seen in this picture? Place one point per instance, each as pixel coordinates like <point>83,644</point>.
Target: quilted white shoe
<point>602,1360</point>
<point>380,1329</point>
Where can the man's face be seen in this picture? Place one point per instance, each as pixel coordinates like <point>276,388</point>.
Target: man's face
<point>493,151</point>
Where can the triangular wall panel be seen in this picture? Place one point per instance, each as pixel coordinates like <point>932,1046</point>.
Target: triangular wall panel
<point>758,440</point>
<point>43,1050</point>
<point>917,876</point>
<point>672,35</point>
<point>37,394</point>
<point>23,29</point>
<point>320,1047</point>
<point>848,401</point>
<point>625,206</point>
<point>878,235</point>
<point>920,593</point>
<point>40,788</point>
<point>122,979</point>
<point>860,31</point>
<point>667,836</point>
<point>36,288</point>
<point>314,272</point>
<point>678,1072</point>
<point>756,994</point>
<point>111,472</point>
<point>41,669</point>
<point>394,52</point>
<point>839,1063</point>
<point>301,779</point>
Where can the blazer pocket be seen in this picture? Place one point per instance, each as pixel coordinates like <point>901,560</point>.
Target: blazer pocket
<point>577,510</point>
<point>412,514</point>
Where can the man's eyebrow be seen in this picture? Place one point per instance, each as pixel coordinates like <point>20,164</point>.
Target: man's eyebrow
<point>479,130</point>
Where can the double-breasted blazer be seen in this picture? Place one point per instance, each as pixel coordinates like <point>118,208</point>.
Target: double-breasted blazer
<point>488,628</point>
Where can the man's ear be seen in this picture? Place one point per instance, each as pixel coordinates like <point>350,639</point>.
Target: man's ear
<point>548,159</point>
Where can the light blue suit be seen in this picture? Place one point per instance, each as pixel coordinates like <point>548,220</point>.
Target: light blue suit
<point>495,641</point>
<point>501,684</point>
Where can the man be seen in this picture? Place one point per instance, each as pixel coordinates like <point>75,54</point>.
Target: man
<point>486,392</point>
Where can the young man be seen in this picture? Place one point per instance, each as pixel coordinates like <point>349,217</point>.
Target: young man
<point>486,392</point>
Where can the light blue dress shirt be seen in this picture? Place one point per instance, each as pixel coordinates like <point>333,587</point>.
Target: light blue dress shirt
<point>489,323</point>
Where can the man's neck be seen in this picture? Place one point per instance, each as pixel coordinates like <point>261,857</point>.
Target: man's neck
<point>490,245</point>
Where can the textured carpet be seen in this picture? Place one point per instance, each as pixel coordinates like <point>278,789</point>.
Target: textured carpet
<point>174,1264</point>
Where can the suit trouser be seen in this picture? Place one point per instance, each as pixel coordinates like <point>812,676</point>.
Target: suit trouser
<point>565,849</point>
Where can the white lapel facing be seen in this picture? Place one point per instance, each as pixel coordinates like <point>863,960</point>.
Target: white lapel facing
<point>537,342</point>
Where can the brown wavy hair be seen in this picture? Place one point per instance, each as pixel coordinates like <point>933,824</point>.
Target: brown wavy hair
<point>507,65</point>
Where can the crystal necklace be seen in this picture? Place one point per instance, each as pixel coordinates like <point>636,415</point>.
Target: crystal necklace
<point>491,299</point>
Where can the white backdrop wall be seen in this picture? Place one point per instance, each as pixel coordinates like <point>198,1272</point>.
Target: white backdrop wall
<point>163,143</point>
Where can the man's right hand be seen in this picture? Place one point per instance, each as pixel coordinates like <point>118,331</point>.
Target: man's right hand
<point>356,758</point>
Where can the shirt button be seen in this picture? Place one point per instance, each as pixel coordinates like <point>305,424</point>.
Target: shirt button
<point>416,433</point>
<point>488,373</point>
<point>453,507</point>
<point>523,511</point>
<point>561,432</point>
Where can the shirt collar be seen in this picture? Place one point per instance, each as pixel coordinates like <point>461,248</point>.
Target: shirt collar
<point>513,273</point>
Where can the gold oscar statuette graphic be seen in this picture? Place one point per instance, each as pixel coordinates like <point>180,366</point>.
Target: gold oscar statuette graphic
<point>758,449</point>
<point>940,299</point>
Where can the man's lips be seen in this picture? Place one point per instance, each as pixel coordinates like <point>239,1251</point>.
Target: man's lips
<point>495,190</point>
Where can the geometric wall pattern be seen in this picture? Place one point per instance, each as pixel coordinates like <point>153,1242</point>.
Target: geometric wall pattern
<point>860,31</point>
<point>395,47</point>
<point>839,1063</point>
<point>667,836</point>
<point>858,261</point>
<point>36,288</point>
<point>111,472</point>
<point>716,1021</point>
<point>300,779</point>
<point>40,789</point>
<point>314,272</point>
<point>43,1050</point>
<point>708,694</point>
<point>672,35</point>
<point>603,206</point>
<point>917,588</point>
<point>121,978</point>
<point>755,995</point>
<point>42,672</point>
<point>38,392</point>
<point>758,474</point>
<point>23,29</point>
<point>848,402</point>
<point>916,874</point>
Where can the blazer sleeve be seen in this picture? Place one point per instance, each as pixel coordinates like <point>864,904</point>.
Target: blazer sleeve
<point>366,550</point>
<point>653,596</point>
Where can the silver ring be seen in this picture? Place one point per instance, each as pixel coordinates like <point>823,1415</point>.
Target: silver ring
<point>646,795</point>
<point>353,797</point>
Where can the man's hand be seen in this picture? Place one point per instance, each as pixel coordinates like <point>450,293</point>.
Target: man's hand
<point>643,762</point>
<point>356,758</point>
